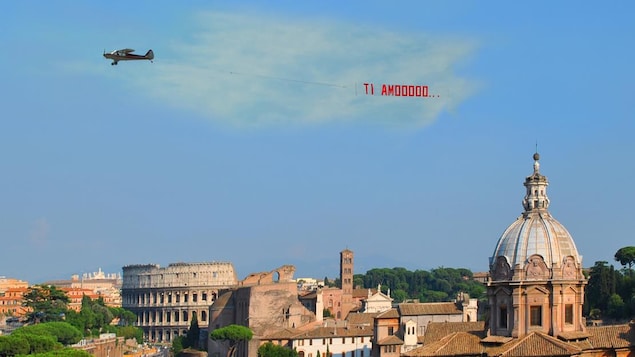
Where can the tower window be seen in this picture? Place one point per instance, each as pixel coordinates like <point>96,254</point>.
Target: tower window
<point>568,314</point>
<point>502,317</point>
<point>535,316</point>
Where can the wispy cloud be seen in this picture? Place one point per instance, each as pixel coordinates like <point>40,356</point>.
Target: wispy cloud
<point>250,69</point>
<point>39,233</point>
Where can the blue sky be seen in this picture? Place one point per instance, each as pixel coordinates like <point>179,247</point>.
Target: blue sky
<point>250,139</point>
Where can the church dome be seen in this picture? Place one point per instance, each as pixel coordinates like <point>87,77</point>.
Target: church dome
<point>536,243</point>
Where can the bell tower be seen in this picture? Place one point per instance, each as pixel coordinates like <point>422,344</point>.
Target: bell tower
<point>346,278</point>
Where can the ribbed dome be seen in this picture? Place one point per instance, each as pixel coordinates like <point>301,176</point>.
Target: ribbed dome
<point>535,232</point>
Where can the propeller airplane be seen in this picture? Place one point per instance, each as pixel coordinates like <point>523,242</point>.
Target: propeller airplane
<point>127,55</point>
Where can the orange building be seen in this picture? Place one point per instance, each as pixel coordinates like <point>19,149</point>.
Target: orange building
<point>76,295</point>
<point>11,302</point>
<point>11,291</point>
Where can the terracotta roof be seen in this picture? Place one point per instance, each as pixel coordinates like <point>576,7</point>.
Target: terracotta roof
<point>365,318</point>
<point>390,340</point>
<point>615,336</point>
<point>455,344</point>
<point>388,314</point>
<point>535,344</point>
<point>435,331</point>
<point>362,293</point>
<point>429,308</point>
<point>328,332</point>
<point>467,338</point>
<point>497,339</point>
<point>573,335</point>
<point>283,334</point>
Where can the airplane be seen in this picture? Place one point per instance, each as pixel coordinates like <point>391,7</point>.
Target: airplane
<point>127,55</point>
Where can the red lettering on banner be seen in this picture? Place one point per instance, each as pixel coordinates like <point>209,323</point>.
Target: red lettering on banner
<point>399,90</point>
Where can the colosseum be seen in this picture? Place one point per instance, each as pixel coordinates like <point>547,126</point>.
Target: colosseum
<point>166,299</point>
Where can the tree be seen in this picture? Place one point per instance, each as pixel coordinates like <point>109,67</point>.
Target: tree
<point>626,256</point>
<point>271,350</point>
<point>126,317</point>
<point>41,343</point>
<point>65,352</point>
<point>193,334</point>
<point>14,345</point>
<point>63,332</point>
<point>46,303</point>
<point>177,345</point>
<point>129,332</point>
<point>94,317</point>
<point>234,334</point>
<point>615,307</point>
<point>601,286</point>
<point>399,295</point>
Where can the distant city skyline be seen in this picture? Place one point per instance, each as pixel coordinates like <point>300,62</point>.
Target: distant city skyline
<point>251,139</point>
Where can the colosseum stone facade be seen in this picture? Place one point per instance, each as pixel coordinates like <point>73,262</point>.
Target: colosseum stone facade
<point>166,299</point>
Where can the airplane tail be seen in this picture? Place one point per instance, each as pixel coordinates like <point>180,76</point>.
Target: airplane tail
<point>150,55</point>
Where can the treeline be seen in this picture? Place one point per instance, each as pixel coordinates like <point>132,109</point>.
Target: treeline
<point>440,284</point>
<point>610,292</point>
<point>42,340</point>
<point>52,325</point>
<point>47,303</point>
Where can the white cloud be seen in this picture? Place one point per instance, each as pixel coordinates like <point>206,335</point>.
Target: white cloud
<point>247,69</point>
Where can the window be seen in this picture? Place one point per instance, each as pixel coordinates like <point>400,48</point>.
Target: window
<point>568,314</point>
<point>391,330</point>
<point>204,297</point>
<point>194,297</point>
<point>535,316</point>
<point>391,348</point>
<point>502,317</point>
<point>343,341</point>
